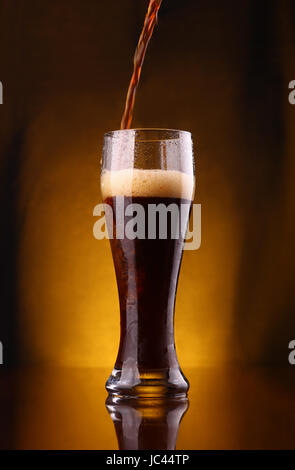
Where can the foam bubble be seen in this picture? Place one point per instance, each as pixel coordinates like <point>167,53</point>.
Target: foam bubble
<point>147,183</point>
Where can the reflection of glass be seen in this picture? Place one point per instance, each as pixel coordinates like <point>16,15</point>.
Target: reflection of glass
<point>147,168</point>
<point>146,423</point>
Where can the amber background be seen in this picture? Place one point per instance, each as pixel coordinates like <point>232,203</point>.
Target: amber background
<point>218,69</point>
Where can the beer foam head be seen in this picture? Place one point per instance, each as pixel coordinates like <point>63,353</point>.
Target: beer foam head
<point>147,183</point>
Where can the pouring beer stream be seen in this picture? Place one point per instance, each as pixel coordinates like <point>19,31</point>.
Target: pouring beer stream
<point>146,34</point>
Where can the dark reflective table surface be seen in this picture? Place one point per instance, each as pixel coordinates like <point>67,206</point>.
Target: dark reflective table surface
<point>66,408</point>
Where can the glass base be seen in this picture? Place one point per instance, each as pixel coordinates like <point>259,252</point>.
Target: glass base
<point>158,383</point>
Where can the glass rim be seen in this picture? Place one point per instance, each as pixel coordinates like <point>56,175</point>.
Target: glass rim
<point>175,133</point>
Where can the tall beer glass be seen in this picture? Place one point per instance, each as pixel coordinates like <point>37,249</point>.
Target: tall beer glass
<point>147,184</point>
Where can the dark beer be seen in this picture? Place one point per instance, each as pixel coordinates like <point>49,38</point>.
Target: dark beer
<point>147,269</point>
